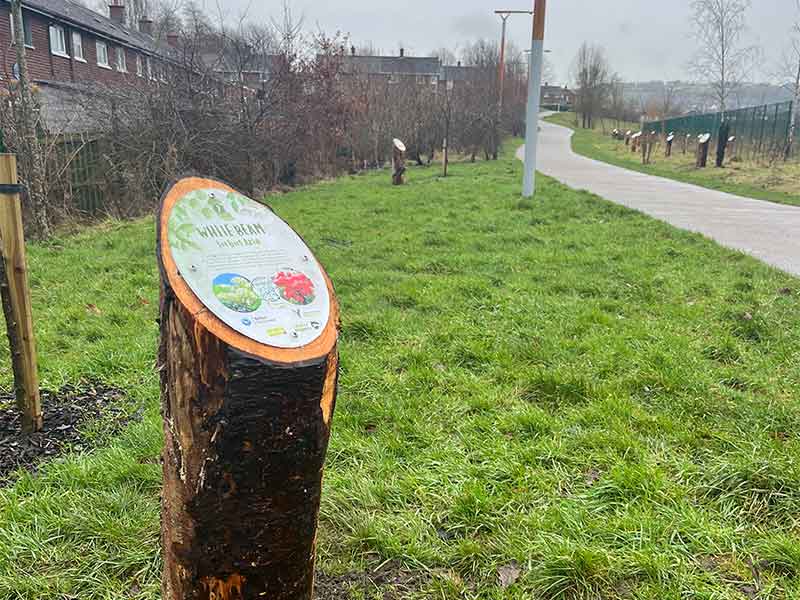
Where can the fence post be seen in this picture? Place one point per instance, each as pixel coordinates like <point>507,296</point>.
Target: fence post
<point>16,298</point>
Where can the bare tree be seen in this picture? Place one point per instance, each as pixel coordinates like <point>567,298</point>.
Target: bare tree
<point>28,146</point>
<point>789,74</point>
<point>447,56</point>
<point>591,72</point>
<point>722,58</point>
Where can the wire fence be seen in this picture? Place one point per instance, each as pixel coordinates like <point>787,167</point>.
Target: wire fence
<point>761,132</point>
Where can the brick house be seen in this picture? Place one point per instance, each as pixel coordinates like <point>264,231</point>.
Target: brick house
<point>71,50</point>
<point>67,42</point>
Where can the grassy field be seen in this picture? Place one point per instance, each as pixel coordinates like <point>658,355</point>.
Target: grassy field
<point>778,183</point>
<point>588,401</point>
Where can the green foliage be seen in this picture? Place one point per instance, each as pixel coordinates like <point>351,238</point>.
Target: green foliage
<point>564,383</point>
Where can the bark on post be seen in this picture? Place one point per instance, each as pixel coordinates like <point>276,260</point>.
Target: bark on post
<point>246,423</point>
<point>398,162</point>
<point>668,146</point>
<point>702,150</point>
<point>16,300</point>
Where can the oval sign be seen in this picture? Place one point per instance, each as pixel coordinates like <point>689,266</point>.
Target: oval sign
<point>248,267</point>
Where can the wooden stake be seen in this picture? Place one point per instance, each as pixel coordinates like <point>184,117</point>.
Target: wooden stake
<point>17,300</point>
<point>398,162</point>
<point>246,429</point>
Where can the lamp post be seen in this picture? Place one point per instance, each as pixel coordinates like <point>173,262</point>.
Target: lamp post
<point>504,15</point>
<point>534,97</point>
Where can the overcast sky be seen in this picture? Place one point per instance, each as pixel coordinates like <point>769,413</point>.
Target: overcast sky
<point>645,39</point>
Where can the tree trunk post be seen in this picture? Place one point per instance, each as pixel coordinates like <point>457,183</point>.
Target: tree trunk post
<point>702,150</point>
<point>249,370</point>
<point>668,146</point>
<point>398,162</point>
<point>16,299</point>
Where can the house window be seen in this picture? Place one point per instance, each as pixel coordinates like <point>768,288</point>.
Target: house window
<point>122,63</point>
<point>77,46</point>
<point>26,26</point>
<point>139,65</point>
<point>149,64</point>
<point>450,84</point>
<point>102,55</point>
<point>394,78</point>
<point>58,41</point>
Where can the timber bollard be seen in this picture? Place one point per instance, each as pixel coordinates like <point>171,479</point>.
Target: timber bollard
<point>249,369</point>
<point>703,142</point>
<point>16,299</point>
<point>398,162</point>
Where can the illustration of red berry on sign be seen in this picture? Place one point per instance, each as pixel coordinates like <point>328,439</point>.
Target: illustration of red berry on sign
<point>294,287</point>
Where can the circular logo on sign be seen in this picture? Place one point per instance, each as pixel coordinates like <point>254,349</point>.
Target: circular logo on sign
<point>236,292</point>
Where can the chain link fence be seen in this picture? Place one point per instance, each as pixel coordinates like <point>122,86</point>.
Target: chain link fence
<point>761,132</point>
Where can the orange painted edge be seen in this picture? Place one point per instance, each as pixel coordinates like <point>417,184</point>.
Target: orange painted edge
<point>318,349</point>
<point>539,8</point>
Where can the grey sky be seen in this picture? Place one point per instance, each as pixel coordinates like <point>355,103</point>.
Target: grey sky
<point>645,39</point>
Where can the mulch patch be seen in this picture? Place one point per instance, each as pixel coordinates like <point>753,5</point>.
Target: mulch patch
<point>389,581</point>
<point>65,411</point>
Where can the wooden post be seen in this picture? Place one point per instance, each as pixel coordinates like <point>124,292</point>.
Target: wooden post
<point>668,145</point>
<point>16,298</point>
<point>398,162</point>
<point>249,369</point>
<point>703,143</point>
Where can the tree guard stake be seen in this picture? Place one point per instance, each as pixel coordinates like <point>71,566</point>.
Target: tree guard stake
<point>249,367</point>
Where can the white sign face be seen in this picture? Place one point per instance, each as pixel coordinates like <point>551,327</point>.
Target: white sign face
<point>248,268</point>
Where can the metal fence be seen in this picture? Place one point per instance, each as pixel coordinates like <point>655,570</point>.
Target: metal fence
<point>76,172</point>
<point>760,131</point>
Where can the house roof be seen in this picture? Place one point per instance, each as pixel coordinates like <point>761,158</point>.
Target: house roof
<point>393,65</point>
<point>85,18</point>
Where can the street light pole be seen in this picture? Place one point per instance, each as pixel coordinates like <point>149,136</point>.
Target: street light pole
<point>502,67</point>
<point>534,97</point>
<point>501,77</point>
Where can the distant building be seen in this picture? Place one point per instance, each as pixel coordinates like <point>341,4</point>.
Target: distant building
<point>557,98</point>
<point>403,69</point>
<point>396,69</point>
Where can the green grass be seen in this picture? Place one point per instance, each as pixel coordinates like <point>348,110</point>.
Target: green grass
<point>564,383</point>
<point>777,183</point>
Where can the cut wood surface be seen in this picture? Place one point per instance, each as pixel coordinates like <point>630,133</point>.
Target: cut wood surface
<point>246,429</point>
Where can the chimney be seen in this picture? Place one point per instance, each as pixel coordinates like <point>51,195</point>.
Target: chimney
<point>402,52</point>
<point>146,26</point>
<point>353,50</point>
<point>172,39</point>
<point>116,11</point>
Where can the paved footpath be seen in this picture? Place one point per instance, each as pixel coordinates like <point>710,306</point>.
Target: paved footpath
<point>768,231</point>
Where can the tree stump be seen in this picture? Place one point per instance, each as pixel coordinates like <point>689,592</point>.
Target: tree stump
<point>703,143</point>
<point>398,162</point>
<point>249,368</point>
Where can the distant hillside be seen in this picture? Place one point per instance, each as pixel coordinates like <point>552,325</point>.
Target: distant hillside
<point>698,97</point>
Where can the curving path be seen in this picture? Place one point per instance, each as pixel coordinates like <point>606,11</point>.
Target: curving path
<point>765,230</point>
